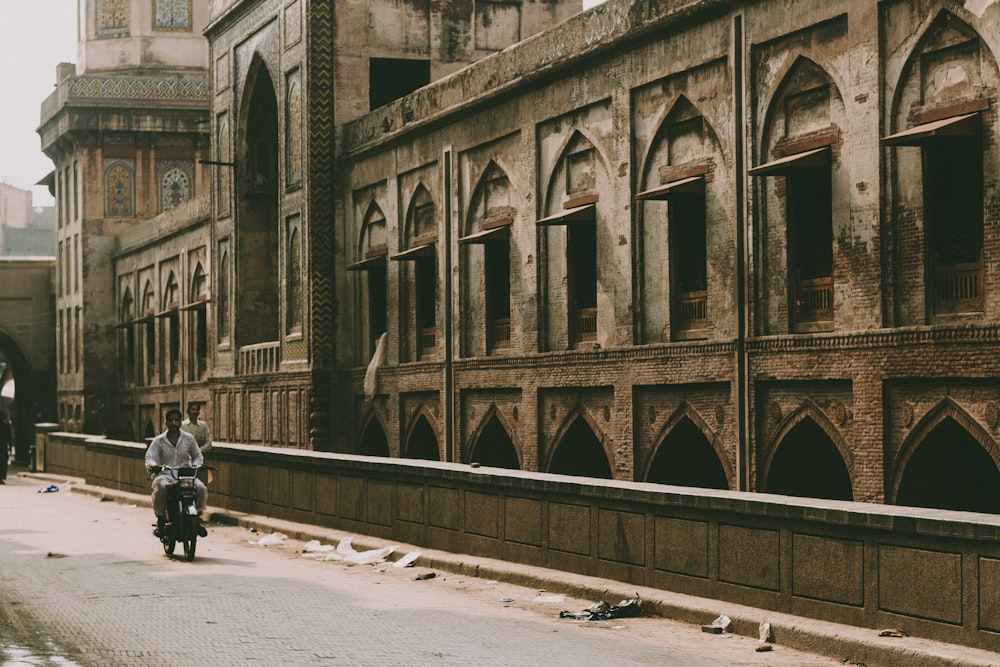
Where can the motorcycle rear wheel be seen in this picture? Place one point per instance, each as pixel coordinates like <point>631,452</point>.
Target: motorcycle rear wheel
<point>189,548</point>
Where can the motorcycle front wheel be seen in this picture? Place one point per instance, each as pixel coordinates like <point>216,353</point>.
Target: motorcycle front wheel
<point>168,545</point>
<point>189,547</point>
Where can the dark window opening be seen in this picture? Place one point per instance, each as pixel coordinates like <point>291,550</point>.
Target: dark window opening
<point>377,305</point>
<point>201,342</point>
<point>150,333</point>
<point>810,248</point>
<point>953,189</point>
<point>174,342</point>
<point>582,259</point>
<point>392,78</point>
<point>426,311</point>
<point>129,355</point>
<point>497,294</point>
<point>688,255</point>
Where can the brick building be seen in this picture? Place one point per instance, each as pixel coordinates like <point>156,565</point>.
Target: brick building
<point>718,244</point>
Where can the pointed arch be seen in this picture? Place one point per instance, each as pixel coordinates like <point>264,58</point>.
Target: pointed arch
<point>171,292</point>
<point>421,217</point>
<point>491,199</point>
<point>258,243</point>
<point>127,312</point>
<point>578,450</point>
<point>795,70</point>
<point>577,141</point>
<point>492,444</point>
<point>373,439</point>
<point>949,450</point>
<point>293,282</point>
<point>798,463</point>
<point>199,284</point>
<point>422,441</point>
<point>373,239</point>
<point>688,462</point>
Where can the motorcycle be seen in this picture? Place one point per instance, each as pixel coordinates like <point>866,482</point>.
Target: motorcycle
<point>182,522</point>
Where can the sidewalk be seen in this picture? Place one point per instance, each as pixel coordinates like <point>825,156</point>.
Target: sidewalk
<point>849,644</point>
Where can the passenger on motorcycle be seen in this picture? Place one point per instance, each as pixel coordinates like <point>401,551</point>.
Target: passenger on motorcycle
<point>174,448</point>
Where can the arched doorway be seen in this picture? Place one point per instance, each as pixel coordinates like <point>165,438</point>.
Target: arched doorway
<point>580,453</point>
<point>422,443</point>
<point>18,397</point>
<point>494,447</point>
<point>808,464</point>
<point>950,470</point>
<point>686,458</point>
<point>373,440</point>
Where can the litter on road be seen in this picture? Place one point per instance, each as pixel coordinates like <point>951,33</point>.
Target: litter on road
<point>604,611</point>
<point>270,540</point>
<point>51,488</point>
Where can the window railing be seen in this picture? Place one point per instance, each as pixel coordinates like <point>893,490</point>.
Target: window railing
<point>958,288</point>
<point>259,358</point>
<point>814,300</point>
<point>585,324</point>
<point>500,333</point>
<point>692,310</point>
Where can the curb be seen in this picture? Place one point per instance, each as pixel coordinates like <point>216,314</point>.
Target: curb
<point>849,644</point>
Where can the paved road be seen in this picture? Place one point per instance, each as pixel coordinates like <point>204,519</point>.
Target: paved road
<point>83,582</point>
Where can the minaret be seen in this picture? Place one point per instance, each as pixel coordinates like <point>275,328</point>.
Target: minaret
<point>126,129</point>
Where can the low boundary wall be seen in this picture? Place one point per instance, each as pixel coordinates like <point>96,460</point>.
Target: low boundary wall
<point>933,573</point>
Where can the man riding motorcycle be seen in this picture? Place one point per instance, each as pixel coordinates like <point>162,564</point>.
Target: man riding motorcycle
<point>174,448</point>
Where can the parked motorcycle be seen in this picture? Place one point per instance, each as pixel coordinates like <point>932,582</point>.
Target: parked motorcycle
<point>182,524</point>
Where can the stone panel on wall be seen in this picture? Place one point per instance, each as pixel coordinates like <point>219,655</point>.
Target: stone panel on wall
<point>749,557</point>
<point>481,514</point>
<point>351,499</point>
<point>523,521</point>
<point>569,528</point>
<point>621,537</point>
<point>410,503</point>
<point>379,502</point>
<point>826,569</point>
<point>989,594</point>
<point>681,546</point>
<point>326,495</point>
<point>255,416</point>
<point>920,583</point>
<point>302,490</point>
<point>446,501</point>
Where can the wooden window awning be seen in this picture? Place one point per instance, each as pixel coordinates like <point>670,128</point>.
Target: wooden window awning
<point>425,250</point>
<point>690,185</point>
<point>967,125</point>
<point>200,301</point>
<point>170,310</point>
<point>487,235</point>
<point>368,264</point>
<point>569,216</point>
<point>817,157</point>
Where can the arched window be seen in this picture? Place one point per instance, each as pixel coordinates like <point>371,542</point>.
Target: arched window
<point>175,187</point>
<point>293,283</point>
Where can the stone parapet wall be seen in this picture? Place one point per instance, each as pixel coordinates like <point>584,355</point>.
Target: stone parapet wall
<point>933,573</point>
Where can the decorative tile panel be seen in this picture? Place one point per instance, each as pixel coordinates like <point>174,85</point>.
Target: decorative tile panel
<point>119,187</point>
<point>293,130</point>
<point>172,15</point>
<point>176,184</point>
<point>112,18</point>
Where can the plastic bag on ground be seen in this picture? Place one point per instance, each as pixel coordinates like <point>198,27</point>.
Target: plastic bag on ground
<point>407,560</point>
<point>270,540</point>
<point>314,546</point>
<point>549,598</point>
<point>604,611</point>
<point>51,488</point>
<point>347,553</point>
<point>718,626</point>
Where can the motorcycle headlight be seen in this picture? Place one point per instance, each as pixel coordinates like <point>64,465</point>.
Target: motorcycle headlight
<point>187,483</point>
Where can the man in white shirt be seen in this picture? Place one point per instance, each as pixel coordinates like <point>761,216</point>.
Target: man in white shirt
<point>173,448</point>
<point>196,427</point>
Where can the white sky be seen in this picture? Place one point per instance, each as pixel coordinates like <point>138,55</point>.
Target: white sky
<point>35,36</point>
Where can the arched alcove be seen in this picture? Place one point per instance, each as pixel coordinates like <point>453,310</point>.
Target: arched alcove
<point>950,469</point>
<point>422,443</point>
<point>808,464</point>
<point>373,440</point>
<point>579,453</point>
<point>685,457</point>
<point>494,448</point>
